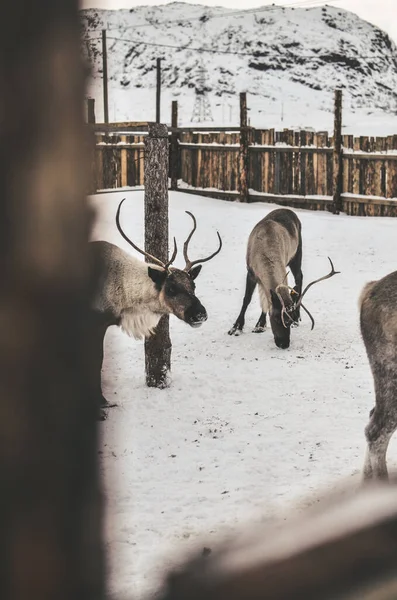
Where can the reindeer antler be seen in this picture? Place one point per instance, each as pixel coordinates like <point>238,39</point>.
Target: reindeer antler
<point>189,263</point>
<point>309,285</point>
<point>299,302</point>
<point>150,256</point>
<point>284,310</point>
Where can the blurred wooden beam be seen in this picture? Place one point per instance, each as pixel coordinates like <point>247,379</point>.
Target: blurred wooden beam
<point>50,501</point>
<point>344,548</point>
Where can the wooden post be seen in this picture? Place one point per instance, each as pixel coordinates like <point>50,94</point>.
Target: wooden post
<point>157,347</point>
<point>105,77</point>
<point>158,89</point>
<point>92,146</point>
<point>91,110</point>
<point>243,152</point>
<point>50,505</point>
<point>174,158</point>
<point>337,203</point>
<point>123,163</point>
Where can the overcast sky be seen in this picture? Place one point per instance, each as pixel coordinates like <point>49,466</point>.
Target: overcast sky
<point>380,12</point>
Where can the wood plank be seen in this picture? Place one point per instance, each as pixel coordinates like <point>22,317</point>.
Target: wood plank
<point>310,184</point>
<point>290,163</point>
<point>296,165</point>
<point>321,160</point>
<point>355,168</point>
<point>303,161</point>
<point>391,170</point>
<point>99,181</point>
<point>123,163</point>
<point>272,170</point>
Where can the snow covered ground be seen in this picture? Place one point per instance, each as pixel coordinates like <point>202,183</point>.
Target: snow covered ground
<point>245,429</point>
<point>265,113</point>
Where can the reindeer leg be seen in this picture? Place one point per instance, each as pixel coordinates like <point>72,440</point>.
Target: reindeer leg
<point>378,433</point>
<point>98,328</point>
<point>295,265</point>
<point>260,327</point>
<point>249,290</point>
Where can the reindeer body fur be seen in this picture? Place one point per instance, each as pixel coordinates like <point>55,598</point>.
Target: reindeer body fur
<point>125,292</point>
<point>134,295</point>
<point>271,247</point>
<point>274,244</point>
<point>378,322</point>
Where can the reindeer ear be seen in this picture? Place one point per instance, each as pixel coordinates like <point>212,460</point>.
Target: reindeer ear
<point>275,299</point>
<point>194,271</point>
<point>157,276</point>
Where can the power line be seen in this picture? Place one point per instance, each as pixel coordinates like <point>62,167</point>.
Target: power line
<point>253,53</point>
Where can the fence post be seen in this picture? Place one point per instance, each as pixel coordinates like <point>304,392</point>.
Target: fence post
<point>174,158</point>
<point>158,346</point>
<point>337,203</point>
<point>91,110</point>
<point>243,152</point>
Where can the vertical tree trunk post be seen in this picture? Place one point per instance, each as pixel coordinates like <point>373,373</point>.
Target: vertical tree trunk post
<point>50,502</point>
<point>91,110</point>
<point>158,89</point>
<point>337,203</point>
<point>174,158</point>
<point>157,347</point>
<point>243,152</point>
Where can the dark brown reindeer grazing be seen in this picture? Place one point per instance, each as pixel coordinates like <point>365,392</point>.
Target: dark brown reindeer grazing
<point>274,244</point>
<point>378,322</point>
<point>134,295</point>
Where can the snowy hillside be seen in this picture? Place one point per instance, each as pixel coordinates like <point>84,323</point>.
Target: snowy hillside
<point>288,59</point>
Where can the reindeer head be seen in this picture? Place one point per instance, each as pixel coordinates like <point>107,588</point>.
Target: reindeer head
<point>283,315</point>
<point>176,287</point>
<point>286,305</point>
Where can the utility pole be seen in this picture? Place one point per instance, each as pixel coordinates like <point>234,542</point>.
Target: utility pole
<point>105,77</point>
<point>158,89</point>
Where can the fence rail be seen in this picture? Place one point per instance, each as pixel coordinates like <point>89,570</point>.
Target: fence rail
<point>291,168</point>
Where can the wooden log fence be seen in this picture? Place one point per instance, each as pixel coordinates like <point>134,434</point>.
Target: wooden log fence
<point>301,169</point>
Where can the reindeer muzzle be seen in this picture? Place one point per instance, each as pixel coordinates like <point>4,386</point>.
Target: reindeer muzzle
<point>196,315</point>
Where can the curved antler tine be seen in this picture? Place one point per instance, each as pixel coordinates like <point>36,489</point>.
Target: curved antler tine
<point>186,244</point>
<point>167,264</point>
<point>127,239</point>
<point>332,267</point>
<point>310,316</point>
<point>309,285</point>
<point>203,260</point>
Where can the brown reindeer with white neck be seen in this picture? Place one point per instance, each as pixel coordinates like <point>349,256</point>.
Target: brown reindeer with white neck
<point>134,295</point>
<point>275,244</point>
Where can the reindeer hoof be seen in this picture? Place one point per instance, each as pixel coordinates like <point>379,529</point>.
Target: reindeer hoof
<point>259,329</point>
<point>235,331</point>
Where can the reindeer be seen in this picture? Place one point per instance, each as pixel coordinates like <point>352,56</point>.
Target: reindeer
<point>134,295</point>
<point>378,323</point>
<point>274,244</point>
